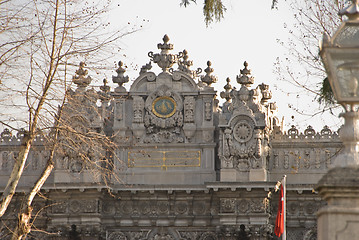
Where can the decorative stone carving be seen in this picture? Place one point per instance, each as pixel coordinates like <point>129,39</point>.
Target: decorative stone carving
<point>209,78</point>
<point>244,79</point>
<point>243,206</point>
<point>208,109</point>
<point>138,107</point>
<point>76,165</point>
<point>89,206</point>
<point>189,235</point>
<point>5,160</point>
<point>208,236</point>
<point>199,208</point>
<point>108,208</point>
<point>6,135</point>
<point>59,207</point>
<point>163,207</point>
<point>181,207</point>
<point>120,79</point>
<point>117,236</point>
<point>145,68</point>
<point>228,205</point>
<point>242,132</point>
<point>124,207</point>
<point>309,132</point>
<point>80,79</point>
<point>189,109</point>
<point>75,206</point>
<point>276,159</point>
<point>317,158</point>
<point>293,132</point>
<point>226,94</point>
<point>286,160</point>
<point>257,206</point>
<point>119,111</point>
<point>164,60</point>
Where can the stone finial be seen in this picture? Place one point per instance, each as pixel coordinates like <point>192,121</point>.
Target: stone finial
<point>185,64</point>
<point>352,11</point>
<point>6,135</point>
<point>81,79</point>
<point>208,78</point>
<point>145,68</point>
<point>120,79</point>
<point>164,60</point>
<point>227,93</point>
<point>105,89</point>
<point>245,78</point>
<point>165,46</point>
<point>266,93</point>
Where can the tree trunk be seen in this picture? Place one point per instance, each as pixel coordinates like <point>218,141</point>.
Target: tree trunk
<point>16,173</point>
<point>24,225</point>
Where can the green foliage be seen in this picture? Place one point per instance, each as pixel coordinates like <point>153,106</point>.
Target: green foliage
<point>326,93</point>
<point>187,2</point>
<point>213,10</point>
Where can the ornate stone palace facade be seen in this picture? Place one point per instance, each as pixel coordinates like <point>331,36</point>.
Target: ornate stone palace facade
<point>189,169</point>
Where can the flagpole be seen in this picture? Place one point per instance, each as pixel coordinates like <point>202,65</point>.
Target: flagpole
<point>284,183</point>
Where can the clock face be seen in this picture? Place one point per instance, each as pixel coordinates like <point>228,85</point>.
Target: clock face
<point>242,132</point>
<point>164,107</point>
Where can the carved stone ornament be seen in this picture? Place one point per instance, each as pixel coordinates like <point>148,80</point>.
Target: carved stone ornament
<point>228,205</point>
<point>163,119</point>
<point>208,236</point>
<point>164,107</point>
<point>242,132</point>
<point>189,109</point>
<point>117,236</point>
<point>138,107</point>
<point>208,110</point>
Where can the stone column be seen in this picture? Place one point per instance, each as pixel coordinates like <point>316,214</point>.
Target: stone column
<point>340,218</point>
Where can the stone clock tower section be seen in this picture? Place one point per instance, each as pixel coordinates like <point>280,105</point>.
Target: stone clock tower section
<point>245,124</point>
<point>164,124</point>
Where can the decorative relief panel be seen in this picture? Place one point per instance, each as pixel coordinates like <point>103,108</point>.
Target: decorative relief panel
<point>241,145</point>
<point>138,108</point>
<point>208,110</point>
<point>117,236</point>
<point>189,109</point>
<point>242,132</point>
<point>163,118</point>
<point>228,205</point>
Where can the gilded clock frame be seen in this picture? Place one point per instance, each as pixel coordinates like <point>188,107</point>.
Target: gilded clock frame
<point>159,114</point>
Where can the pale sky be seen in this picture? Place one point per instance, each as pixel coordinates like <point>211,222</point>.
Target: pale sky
<point>249,32</point>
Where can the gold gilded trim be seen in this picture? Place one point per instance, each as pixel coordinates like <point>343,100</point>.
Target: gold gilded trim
<point>164,159</point>
<point>164,107</point>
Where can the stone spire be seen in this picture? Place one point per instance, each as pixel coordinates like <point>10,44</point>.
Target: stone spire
<point>185,64</point>
<point>120,79</point>
<point>105,90</point>
<point>209,78</point>
<point>244,78</point>
<point>227,93</point>
<point>164,59</point>
<point>81,79</point>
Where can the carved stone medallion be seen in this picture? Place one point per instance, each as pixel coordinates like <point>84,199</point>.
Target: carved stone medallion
<point>164,107</point>
<point>242,132</point>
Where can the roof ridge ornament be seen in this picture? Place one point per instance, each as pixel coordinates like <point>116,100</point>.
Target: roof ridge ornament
<point>164,59</point>
<point>352,11</point>
<point>244,78</point>
<point>80,78</point>
<point>208,78</point>
<point>120,79</point>
<point>227,93</point>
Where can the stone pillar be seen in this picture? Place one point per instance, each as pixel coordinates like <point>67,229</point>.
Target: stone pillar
<point>340,218</point>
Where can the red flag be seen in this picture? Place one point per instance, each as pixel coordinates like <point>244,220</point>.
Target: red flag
<point>279,223</point>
